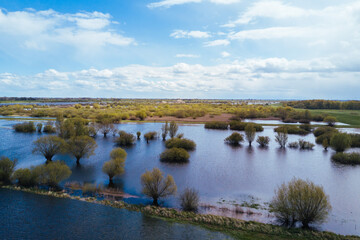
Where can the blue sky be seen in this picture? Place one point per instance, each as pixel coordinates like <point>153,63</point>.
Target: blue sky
<point>263,49</point>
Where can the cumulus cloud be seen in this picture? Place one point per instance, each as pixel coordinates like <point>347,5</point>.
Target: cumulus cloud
<point>189,34</point>
<point>38,30</point>
<point>249,78</point>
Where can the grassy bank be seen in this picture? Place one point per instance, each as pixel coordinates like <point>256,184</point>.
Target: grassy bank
<point>236,228</point>
<point>351,117</point>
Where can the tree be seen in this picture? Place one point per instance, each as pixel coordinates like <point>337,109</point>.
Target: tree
<point>52,173</point>
<point>138,134</point>
<point>81,147</point>
<point>115,166</point>
<point>105,124</point>
<point>175,155</point>
<point>150,136</point>
<point>330,120</point>
<point>7,167</point>
<point>189,200</point>
<point>164,130</point>
<point>118,153</point>
<point>340,142</point>
<point>302,201</point>
<point>250,132</point>
<point>263,141</point>
<point>173,128</point>
<point>234,139</point>
<point>282,138</point>
<point>48,146</point>
<point>154,185</point>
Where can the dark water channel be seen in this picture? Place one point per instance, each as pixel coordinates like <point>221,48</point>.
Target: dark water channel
<point>222,174</point>
<point>31,216</point>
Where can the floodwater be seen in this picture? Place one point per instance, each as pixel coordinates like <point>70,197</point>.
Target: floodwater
<point>222,174</point>
<point>31,216</point>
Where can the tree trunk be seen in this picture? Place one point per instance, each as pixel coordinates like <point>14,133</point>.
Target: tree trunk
<point>105,135</point>
<point>48,160</point>
<point>147,141</point>
<point>77,161</point>
<point>305,224</point>
<point>155,202</point>
<point>111,183</point>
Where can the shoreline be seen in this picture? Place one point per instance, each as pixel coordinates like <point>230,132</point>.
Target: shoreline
<point>177,120</point>
<point>236,228</point>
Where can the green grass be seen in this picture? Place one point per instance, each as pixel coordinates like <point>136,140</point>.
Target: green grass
<point>351,117</point>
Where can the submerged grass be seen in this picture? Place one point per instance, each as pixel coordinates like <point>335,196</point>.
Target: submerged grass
<point>236,228</point>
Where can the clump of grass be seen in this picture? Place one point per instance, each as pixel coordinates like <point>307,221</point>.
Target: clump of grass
<point>347,158</point>
<point>216,125</point>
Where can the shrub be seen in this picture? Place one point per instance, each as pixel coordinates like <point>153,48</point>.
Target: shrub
<point>154,185</point>
<point>322,130</point>
<point>355,140</point>
<point>174,155</point>
<point>48,128</point>
<point>90,189</point>
<point>164,130</point>
<point>184,143</point>
<point>325,144</point>
<point>306,127</point>
<point>138,134</point>
<point>290,129</point>
<point>281,138</point>
<point>39,127</point>
<point>300,201</point>
<point>306,145</point>
<point>326,136</point>
<point>340,142</point>
<point>173,128</point>
<point>346,158</point>
<point>189,200</point>
<point>141,115</point>
<point>53,173</point>
<point>7,167</point>
<point>216,125</point>
<point>48,146</point>
<point>240,126</point>
<point>125,139</point>
<point>263,141</point>
<point>150,136</point>
<point>234,139</point>
<point>293,145</point>
<point>26,177</point>
<point>25,127</point>
<point>330,120</point>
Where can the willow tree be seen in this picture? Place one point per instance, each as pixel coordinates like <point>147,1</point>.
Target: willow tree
<point>81,147</point>
<point>49,146</point>
<point>156,186</point>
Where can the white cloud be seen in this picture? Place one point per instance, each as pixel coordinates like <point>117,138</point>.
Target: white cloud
<point>40,30</point>
<point>224,1</point>
<point>272,33</point>
<point>189,34</point>
<point>225,54</point>
<point>219,42</point>
<point>169,3</point>
<point>186,56</point>
<point>252,77</point>
<point>270,9</point>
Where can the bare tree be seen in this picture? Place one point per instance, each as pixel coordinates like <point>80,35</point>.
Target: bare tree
<point>49,146</point>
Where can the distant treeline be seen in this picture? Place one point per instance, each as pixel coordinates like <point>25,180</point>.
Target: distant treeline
<point>324,104</point>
